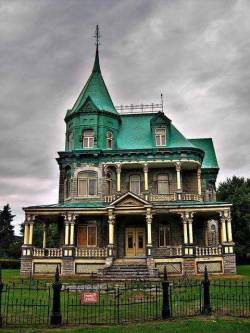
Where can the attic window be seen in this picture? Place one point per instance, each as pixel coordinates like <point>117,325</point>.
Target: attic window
<point>160,137</point>
<point>88,138</point>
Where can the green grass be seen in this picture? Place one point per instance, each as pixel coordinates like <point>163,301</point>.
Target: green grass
<point>243,270</point>
<point>202,325</point>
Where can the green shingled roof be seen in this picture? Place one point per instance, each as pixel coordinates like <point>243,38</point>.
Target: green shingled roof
<point>206,144</point>
<point>90,204</point>
<point>136,133</point>
<point>95,90</point>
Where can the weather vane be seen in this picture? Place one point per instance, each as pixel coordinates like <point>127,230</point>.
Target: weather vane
<point>97,35</point>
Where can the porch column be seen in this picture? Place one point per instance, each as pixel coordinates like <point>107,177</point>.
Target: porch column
<point>111,223</point>
<point>190,230</point>
<point>118,177</point>
<point>44,235</point>
<point>185,232</point>
<point>199,180</point>
<point>178,179</point>
<point>26,234</point>
<point>72,233</point>
<point>149,231</point>
<point>229,230</point>
<point>31,233</point>
<point>66,235</point>
<point>223,230</point>
<point>145,170</point>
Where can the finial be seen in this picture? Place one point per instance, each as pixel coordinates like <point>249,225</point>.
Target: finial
<point>161,102</point>
<point>97,36</point>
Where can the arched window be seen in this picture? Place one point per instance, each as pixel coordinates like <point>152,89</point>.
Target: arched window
<point>88,138</point>
<point>160,136</point>
<point>163,183</point>
<point>109,139</point>
<point>135,184</point>
<point>67,182</point>
<point>87,183</point>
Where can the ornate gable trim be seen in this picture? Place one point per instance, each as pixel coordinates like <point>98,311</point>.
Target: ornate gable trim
<point>129,200</point>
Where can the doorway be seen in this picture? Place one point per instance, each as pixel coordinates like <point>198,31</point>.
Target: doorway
<point>134,242</point>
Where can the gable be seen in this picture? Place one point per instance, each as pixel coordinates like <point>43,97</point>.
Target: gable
<point>129,200</point>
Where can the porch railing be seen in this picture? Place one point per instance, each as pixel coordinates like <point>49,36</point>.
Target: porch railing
<point>99,252</point>
<point>47,252</point>
<point>161,197</point>
<point>208,250</point>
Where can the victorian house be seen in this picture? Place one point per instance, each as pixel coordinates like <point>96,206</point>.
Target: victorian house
<point>135,195</point>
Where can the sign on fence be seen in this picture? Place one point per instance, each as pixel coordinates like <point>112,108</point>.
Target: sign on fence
<point>89,297</point>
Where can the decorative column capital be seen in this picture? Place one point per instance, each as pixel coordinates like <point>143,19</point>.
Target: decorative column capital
<point>111,216</point>
<point>69,218</point>
<point>118,167</point>
<point>187,217</point>
<point>149,215</point>
<point>145,167</point>
<point>178,166</point>
<point>225,214</point>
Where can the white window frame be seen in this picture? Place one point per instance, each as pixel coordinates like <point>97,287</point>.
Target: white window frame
<point>161,136</point>
<point>81,177</point>
<point>138,180</point>
<point>90,139</point>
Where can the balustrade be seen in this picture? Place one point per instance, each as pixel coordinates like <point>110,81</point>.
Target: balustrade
<point>208,250</point>
<point>92,252</point>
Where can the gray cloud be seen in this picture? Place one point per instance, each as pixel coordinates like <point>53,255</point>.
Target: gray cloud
<point>195,52</point>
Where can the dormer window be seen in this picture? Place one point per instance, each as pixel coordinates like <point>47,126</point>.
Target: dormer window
<point>160,137</point>
<point>109,139</point>
<point>88,138</point>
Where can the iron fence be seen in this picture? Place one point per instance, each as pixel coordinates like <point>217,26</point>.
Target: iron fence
<point>36,303</point>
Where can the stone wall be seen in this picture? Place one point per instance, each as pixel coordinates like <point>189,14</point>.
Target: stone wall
<point>26,266</point>
<point>229,264</point>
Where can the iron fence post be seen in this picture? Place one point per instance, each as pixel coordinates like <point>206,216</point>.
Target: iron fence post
<point>206,309</point>
<point>56,316</point>
<point>165,294</point>
<point>1,289</point>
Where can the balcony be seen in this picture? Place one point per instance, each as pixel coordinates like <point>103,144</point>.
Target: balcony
<point>160,197</point>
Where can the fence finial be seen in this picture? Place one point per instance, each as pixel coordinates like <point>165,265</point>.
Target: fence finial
<point>57,274</point>
<point>205,273</point>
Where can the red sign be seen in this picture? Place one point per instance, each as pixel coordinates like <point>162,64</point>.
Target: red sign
<point>89,297</point>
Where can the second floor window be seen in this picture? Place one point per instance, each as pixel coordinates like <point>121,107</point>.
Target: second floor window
<point>67,182</point>
<point>87,183</point>
<point>135,184</point>
<point>109,138</point>
<point>163,184</point>
<point>88,138</point>
<point>160,136</point>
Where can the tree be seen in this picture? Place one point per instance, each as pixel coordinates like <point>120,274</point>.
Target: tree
<point>236,190</point>
<point>7,237</point>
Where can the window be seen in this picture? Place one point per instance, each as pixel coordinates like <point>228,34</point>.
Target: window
<point>135,182</point>
<point>163,184</point>
<point>164,235</point>
<point>88,138</point>
<point>160,136</point>
<point>87,235</point>
<point>70,141</point>
<point>87,183</point>
<point>109,137</point>
<point>67,182</point>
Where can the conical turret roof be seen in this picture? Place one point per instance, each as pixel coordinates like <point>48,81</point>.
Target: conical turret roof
<point>95,90</point>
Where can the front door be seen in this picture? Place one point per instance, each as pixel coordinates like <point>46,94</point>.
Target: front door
<point>135,241</point>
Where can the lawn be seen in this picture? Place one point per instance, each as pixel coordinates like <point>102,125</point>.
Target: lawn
<point>243,270</point>
<point>172,326</point>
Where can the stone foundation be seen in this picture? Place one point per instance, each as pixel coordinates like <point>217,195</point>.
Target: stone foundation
<point>26,266</point>
<point>68,266</point>
<point>189,266</point>
<point>229,264</point>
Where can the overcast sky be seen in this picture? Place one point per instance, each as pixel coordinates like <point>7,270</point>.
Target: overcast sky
<point>195,52</point>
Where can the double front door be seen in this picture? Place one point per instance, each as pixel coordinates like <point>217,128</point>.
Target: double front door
<point>135,241</point>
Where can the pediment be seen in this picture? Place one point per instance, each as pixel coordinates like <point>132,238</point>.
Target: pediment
<point>129,200</point>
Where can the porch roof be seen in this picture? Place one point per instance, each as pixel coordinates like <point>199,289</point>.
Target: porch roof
<point>93,204</point>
